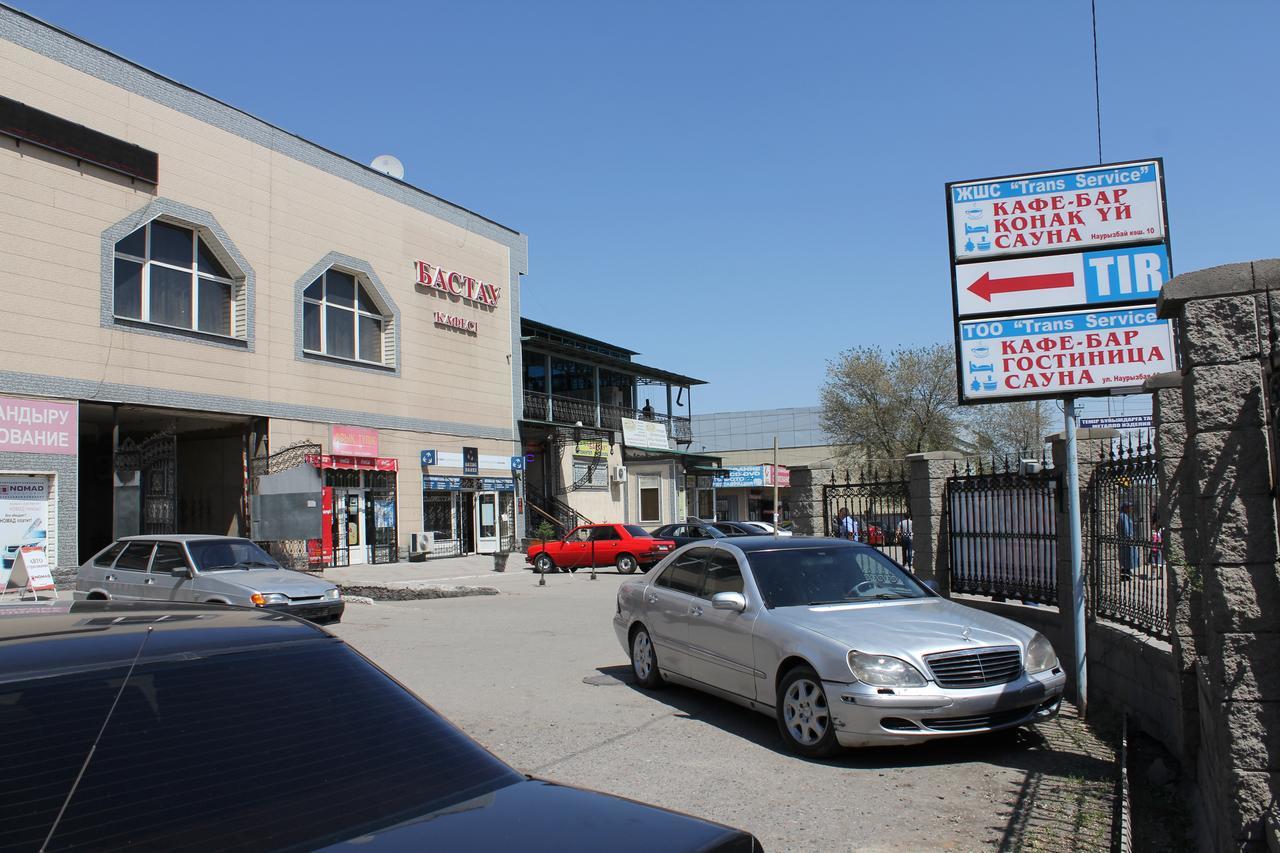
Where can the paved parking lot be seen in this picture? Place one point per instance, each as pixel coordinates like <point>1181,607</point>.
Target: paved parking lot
<point>536,675</point>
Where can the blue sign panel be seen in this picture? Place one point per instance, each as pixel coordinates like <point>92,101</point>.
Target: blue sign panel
<point>497,484</point>
<point>1118,275</point>
<point>470,461</point>
<point>517,463</point>
<point>443,484</point>
<point>428,458</point>
<point>741,476</point>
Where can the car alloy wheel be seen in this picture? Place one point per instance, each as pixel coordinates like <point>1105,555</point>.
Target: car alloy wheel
<point>626,563</point>
<point>544,564</point>
<point>804,716</point>
<point>643,660</point>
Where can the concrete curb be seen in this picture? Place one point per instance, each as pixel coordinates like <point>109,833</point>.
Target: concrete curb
<point>413,591</point>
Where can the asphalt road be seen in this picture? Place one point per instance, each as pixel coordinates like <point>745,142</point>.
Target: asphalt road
<point>537,676</point>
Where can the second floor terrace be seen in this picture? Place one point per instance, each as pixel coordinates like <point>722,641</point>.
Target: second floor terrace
<point>572,379</point>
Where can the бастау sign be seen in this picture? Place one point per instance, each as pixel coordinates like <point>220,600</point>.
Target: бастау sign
<point>456,284</point>
<point>1060,354</point>
<point>1050,211</point>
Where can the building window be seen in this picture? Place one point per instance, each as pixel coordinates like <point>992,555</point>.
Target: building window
<point>598,470</point>
<point>170,275</point>
<point>650,499</point>
<point>341,319</point>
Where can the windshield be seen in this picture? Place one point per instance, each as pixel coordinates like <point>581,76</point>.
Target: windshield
<point>222,555</point>
<point>791,577</point>
<point>187,762</point>
<point>636,531</point>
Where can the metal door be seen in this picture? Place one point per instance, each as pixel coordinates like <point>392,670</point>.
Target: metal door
<point>486,522</point>
<point>168,579</point>
<point>669,605</point>
<point>126,578</point>
<point>160,484</point>
<point>720,647</point>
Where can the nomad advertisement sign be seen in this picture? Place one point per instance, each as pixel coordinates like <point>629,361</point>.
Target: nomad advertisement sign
<point>24,519</point>
<point>1055,355</point>
<point>1047,211</point>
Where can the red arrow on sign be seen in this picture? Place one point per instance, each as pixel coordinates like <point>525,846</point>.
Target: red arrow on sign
<point>987,285</point>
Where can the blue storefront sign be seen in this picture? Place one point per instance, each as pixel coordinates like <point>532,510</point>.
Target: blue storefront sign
<point>469,484</point>
<point>741,476</point>
<point>428,458</point>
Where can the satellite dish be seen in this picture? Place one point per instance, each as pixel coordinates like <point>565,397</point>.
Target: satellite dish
<point>388,165</point>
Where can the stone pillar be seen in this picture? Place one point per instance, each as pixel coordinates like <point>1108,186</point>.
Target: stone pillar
<point>1177,512</point>
<point>1227,319</point>
<point>926,491</point>
<point>806,499</point>
<point>1091,444</point>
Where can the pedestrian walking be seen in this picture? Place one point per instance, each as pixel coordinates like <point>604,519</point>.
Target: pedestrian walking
<point>904,538</point>
<point>1126,537</point>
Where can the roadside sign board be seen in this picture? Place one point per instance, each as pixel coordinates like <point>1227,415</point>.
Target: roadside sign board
<point>1064,353</point>
<point>1118,422</point>
<point>1055,276</point>
<point>1048,211</point>
<point>1050,281</point>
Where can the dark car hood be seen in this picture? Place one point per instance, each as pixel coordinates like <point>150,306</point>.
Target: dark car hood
<point>542,816</point>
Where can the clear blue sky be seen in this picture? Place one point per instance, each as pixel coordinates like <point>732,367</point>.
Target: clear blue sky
<point>741,190</point>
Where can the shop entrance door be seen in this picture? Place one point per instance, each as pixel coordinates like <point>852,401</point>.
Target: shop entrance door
<point>486,522</point>
<point>349,523</point>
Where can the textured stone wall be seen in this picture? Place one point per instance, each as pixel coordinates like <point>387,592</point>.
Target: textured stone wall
<point>1227,596</point>
<point>927,495</point>
<point>806,499</point>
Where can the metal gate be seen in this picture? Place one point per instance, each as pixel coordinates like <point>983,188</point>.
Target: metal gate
<point>155,459</point>
<point>876,498</point>
<point>1126,568</point>
<point>1002,531</point>
<point>283,505</point>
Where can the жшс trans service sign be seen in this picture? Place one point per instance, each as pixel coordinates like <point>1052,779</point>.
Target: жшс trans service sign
<point>1050,211</point>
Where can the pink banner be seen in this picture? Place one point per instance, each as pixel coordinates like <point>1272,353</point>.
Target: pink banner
<point>352,441</point>
<point>38,426</point>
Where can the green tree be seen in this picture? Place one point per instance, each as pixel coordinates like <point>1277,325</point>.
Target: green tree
<point>889,405</point>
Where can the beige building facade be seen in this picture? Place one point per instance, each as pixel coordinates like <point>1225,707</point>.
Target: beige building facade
<point>223,302</point>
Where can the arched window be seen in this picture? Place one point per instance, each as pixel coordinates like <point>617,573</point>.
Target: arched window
<point>171,275</point>
<point>340,318</point>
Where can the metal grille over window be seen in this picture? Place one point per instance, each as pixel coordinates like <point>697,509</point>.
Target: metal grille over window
<point>341,319</point>
<point>979,668</point>
<point>590,474</point>
<point>171,275</point>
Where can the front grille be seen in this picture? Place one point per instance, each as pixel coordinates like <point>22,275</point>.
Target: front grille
<point>977,722</point>
<point>979,668</point>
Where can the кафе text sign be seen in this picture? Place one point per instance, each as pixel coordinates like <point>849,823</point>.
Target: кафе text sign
<point>1053,355</point>
<point>1052,211</point>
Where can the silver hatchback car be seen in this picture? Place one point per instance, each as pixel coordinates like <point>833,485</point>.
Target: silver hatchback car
<point>213,569</point>
<point>835,640</point>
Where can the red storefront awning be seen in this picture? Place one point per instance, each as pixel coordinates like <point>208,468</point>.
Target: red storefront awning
<point>353,463</point>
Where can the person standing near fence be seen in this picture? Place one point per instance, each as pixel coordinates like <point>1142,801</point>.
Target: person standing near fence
<point>1126,535</point>
<point>904,538</point>
<point>846,525</point>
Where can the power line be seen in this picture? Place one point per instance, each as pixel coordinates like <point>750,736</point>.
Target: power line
<point>1097,97</point>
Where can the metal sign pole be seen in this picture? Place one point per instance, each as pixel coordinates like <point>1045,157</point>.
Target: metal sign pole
<point>1077,575</point>
<point>776,515</point>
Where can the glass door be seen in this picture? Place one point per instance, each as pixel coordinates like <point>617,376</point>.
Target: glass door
<point>486,522</point>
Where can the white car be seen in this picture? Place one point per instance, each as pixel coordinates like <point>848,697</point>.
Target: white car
<point>765,526</point>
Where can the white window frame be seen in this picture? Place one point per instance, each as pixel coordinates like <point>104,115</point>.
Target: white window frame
<point>362,286</point>
<point>147,263</point>
<point>643,482</point>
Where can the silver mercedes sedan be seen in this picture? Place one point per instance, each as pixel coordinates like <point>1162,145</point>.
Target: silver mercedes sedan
<point>835,640</point>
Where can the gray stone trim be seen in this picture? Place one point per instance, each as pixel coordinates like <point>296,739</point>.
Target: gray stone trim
<point>1173,379</point>
<point>361,269</point>
<point>205,223</point>
<point>74,52</point>
<point>66,470</point>
<point>1225,280</point>
<point>111,392</point>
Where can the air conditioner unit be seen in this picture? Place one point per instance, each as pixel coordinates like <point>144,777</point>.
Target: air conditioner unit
<point>619,474</point>
<point>421,542</point>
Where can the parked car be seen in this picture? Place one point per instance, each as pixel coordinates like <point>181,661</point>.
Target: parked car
<point>764,527</point>
<point>214,569</point>
<point>836,641</point>
<point>683,534</point>
<point>156,726</point>
<point>736,528</point>
<point>626,546</point>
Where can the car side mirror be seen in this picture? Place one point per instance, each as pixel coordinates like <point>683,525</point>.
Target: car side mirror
<point>735,601</point>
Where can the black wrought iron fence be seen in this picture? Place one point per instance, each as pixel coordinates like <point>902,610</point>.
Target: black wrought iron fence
<point>1126,560</point>
<point>872,505</point>
<point>1002,530</point>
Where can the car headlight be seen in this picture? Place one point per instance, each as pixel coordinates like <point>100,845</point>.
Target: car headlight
<point>1040,654</point>
<point>884,671</point>
<point>262,599</point>
<point>332,594</point>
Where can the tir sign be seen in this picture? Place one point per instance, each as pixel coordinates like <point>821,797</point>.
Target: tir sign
<point>1125,275</point>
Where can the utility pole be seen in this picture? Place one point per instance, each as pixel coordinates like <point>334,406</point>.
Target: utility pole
<point>775,487</point>
<point>1077,574</point>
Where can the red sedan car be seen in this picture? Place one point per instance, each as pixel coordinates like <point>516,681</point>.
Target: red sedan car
<point>623,545</point>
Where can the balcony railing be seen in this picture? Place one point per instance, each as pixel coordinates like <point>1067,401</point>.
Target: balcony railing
<point>569,411</point>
